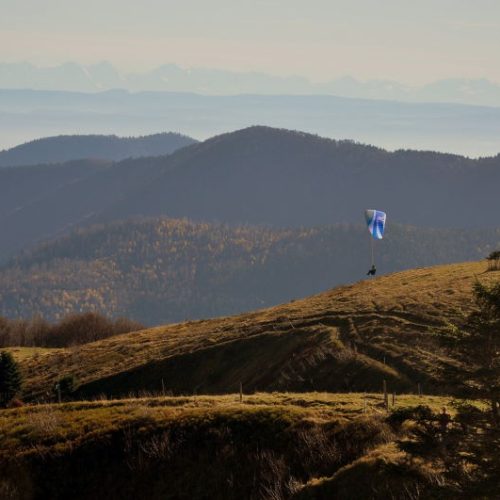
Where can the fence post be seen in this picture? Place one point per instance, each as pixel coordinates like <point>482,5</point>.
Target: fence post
<point>386,398</point>
<point>241,392</point>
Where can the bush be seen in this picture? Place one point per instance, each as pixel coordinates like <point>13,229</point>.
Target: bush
<point>66,387</point>
<point>494,261</point>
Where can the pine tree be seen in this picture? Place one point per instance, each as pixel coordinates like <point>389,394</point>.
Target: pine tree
<point>10,378</point>
<point>479,344</point>
<point>484,343</point>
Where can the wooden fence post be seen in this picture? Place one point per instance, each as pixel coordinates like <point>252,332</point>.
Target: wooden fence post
<point>386,398</point>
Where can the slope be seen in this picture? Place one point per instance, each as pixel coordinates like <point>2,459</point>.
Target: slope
<point>279,177</point>
<point>164,270</point>
<point>22,186</point>
<point>42,202</point>
<point>350,338</point>
<point>271,177</point>
<point>65,148</point>
<point>267,446</point>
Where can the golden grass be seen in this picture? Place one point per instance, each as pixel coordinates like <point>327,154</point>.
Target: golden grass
<point>390,320</point>
<point>28,353</point>
<point>35,428</point>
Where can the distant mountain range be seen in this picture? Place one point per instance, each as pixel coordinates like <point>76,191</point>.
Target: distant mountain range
<point>163,270</point>
<point>173,78</point>
<point>257,176</point>
<point>75,147</point>
<point>469,130</point>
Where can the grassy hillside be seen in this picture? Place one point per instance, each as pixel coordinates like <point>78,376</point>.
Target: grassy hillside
<point>161,270</point>
<point>348,339</point>
<point>65,148</point>
<point>268,446</point>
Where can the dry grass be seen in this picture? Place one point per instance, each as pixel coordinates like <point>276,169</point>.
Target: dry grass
<point>389,321</point>
<point>382,473</point>
<point>271,445</point>
<point>45,427</point>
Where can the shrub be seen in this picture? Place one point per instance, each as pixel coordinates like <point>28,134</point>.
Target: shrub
<point>66,387</point>
<point>494,261</point>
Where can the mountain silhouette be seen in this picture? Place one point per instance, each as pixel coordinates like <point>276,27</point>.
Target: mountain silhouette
<point>107,147</point>
<point>257,176</point>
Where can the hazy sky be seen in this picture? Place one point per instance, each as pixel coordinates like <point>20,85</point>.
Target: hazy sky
<point>406,40</point>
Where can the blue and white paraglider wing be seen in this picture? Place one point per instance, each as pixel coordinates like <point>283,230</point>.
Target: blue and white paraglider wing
<point>375,220</point>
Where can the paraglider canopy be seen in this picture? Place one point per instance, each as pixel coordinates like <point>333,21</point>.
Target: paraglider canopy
<point>375,220</point>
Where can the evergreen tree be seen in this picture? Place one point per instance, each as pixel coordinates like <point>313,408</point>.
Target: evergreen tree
<point>479,345</point>
<point>465,447</point>
<point>10,378</point>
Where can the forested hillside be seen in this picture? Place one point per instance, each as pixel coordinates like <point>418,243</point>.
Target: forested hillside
<point>43,201</point>
<point>64,148</point>
<point>257,176</point>
<point>161,270</point>
<point>22,187</point>
<point>262,175</point>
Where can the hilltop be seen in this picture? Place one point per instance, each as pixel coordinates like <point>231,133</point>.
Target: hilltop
<point>347,339</point>
<point>164,270</point>
<point>260,176</point>
<point>65,148</point>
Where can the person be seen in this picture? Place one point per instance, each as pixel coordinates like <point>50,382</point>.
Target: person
<point>372,271</point>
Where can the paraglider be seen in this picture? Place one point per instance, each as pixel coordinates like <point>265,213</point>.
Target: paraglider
<point>375,220</point>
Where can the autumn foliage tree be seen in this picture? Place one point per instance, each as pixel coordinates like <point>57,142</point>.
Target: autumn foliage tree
<point>73,329</point>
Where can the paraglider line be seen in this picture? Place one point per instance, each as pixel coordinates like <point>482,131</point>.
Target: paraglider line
<point>373,257</point>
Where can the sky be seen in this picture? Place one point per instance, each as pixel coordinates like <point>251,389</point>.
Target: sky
<point>403,40</point>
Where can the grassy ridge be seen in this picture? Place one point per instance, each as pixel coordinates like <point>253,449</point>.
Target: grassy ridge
<point>347,339</point>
